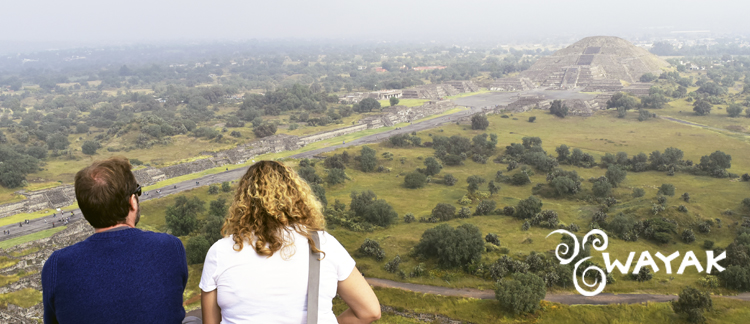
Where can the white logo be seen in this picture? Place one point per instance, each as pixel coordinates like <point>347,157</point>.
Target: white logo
<point>645,260</point>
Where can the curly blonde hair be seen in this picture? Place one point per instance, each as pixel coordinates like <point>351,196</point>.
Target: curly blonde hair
<point>272,200</point>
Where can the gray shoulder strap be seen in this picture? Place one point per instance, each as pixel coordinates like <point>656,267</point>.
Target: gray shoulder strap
<point>313,282</point>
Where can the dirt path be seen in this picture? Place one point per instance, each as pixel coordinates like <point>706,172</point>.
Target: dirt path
<point>568,299</point>
<point>701,126</point>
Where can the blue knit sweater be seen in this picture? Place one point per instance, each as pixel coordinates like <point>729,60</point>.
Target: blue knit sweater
<point>126,276</point>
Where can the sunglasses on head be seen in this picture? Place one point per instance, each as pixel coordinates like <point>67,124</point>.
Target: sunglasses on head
<point>137,191</point>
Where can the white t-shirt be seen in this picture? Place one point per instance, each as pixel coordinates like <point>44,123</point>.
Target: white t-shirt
<point>258,289</point>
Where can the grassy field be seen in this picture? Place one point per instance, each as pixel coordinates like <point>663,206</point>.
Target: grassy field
<point>710,196</point>
<point>489,311</point>
<point>404,102</point>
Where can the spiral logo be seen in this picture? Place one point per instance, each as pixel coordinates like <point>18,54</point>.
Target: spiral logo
<point>599,244</point>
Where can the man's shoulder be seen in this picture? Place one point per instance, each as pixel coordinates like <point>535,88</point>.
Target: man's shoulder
<point>159,237</point>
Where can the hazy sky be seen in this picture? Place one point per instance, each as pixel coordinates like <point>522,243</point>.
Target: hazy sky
<point>115,21</point>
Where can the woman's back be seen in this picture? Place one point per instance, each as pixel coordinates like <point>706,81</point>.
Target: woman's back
<point>257,289</point>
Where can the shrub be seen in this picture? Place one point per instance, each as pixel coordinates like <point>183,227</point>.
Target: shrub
<point>181,218</point>
<point>464,212</point>
<point>682,208</point>
<point>213,189</point>
<point>225,187</point>
<point>449,179</point>
<point>520,179</point>
<point>415,180</point>
<point>532,119</point>
<point>89,147</point>
<point>367,159</point>
<point>492,239</point>
<point>685,197</point>
<point>485,207</point>
<point>522,294</point>
<point>479,122</point>
<point>602,188</point>
<point>688,236</point>
<point>509,210</point>
<point>643,275</point>
<point>528,207</point>
<point>371,248</point>
<point>409,217</point>
<point>708,245</point>
<point>666,189</point>
<point>444,212</point>
<point>392,266</point>
<point>453,247</point>
<point>693,303</point>
<point>196,249</point>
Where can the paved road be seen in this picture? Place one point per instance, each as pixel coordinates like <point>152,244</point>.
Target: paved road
<point>568,299</point>
<point>491,99</point>
<point>45,222</point>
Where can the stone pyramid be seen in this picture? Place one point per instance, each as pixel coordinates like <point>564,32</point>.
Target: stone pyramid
<point>598,59</point>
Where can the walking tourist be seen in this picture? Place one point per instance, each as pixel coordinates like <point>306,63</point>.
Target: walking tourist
<point>120,274</point>
<point>274,240</point>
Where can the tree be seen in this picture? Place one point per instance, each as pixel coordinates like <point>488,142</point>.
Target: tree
<point>492,239</point>
<point>602,188</point>
<point>643,115</point>
<point>367,159</point>
<point>558,109</point>
<point>308,174</point>
<point>225,187</point>
<point>444,212</point>
<point>212,229</point>
<point>453,247</point>
<point>666,189</point>
<point>367,105</point>
<point>213,189</point>
<point>449,179</point>
<point>394,101</point>
<point>492,187</point>
<point>528,207</point>
<point>196,249</point>
<point>734,110</point>
<point>336,176</point>
<point>218,208</point>
<point>479,121</point>
<point>520,179</point>
<point>693,303</point>
<point>264,130</point>
<point>615,174</point>
<point>371,248</point>
<point>563,153</point>
<point>320,193</point>
<point>90,147</point>
<point>648,77</point>
<point>532,119</point>
<point>415,180</point>
<point>688,236</point>
<point>702,107</point>
<point>621,99</point>
<point>485,207</point>
<point>522,294</point>
<point>433,167</point>
<point>182,217</point>
<point>57,142</point>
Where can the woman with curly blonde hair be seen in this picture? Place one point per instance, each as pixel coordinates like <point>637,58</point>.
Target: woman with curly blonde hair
<point>258,273</point>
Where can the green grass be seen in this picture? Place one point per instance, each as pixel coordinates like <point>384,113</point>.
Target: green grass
<point>710,196</point>
<point>489,311</point>
<point>31,237</point>
<point>404,102</point>
<point>7,262</point>
<point>24,298</point>
<point>25,252</point>
<point>4,280</point>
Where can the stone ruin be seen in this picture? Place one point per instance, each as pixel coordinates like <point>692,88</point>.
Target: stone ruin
<point>39,200</point>
<point>30,258</point>
<point>65,195</point>
<point>592,59</point>
<point>512,84</point>
<point>576,107</point>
